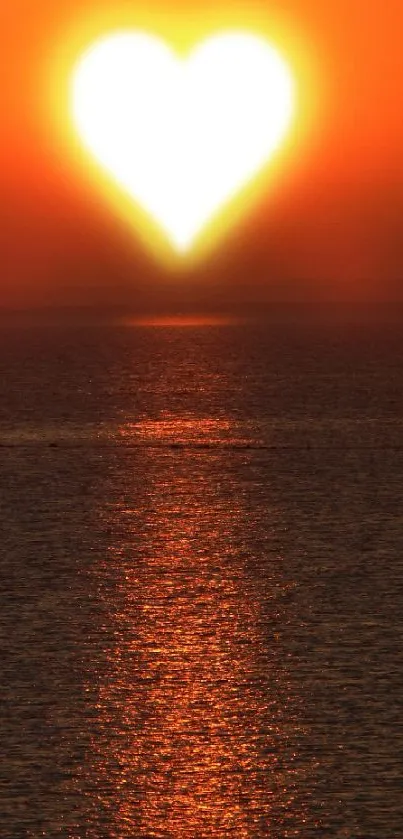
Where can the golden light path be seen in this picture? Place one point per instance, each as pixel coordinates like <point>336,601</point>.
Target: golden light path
<point>196,715</point>
<point>181,135</point>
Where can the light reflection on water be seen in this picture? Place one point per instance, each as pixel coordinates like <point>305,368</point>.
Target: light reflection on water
<point>198,718</point>
<point>201,584</point>
<point>169,429</point>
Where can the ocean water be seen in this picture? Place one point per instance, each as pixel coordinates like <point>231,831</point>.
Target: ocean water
<point>202,595</point>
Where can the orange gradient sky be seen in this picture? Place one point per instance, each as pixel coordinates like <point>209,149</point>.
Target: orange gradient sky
<point>331,228</point>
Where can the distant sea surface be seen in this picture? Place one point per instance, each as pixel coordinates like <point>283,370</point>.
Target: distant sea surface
<point>201,603</point>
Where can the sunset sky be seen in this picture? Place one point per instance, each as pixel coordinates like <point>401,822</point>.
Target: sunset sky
<point>331,227</point>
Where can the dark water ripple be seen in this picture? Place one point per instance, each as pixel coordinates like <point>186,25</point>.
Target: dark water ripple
<point>202,587</point>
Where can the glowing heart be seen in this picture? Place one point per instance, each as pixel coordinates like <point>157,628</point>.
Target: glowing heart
<point>182,136</point>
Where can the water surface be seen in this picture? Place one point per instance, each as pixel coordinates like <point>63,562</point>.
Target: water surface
<point>202,582</point>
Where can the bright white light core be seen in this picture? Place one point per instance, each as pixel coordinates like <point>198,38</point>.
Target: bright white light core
<point>182,136</point>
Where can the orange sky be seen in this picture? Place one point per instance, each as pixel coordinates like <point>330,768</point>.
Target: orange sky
<point>332,229</point>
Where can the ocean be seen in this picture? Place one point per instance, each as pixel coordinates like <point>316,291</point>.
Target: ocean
<point>201,603</point>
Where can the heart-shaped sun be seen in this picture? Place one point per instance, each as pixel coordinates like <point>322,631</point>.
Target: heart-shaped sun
<point>182,136</point>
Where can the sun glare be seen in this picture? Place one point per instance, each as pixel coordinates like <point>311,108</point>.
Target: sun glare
<point>182,135</point>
